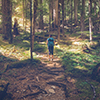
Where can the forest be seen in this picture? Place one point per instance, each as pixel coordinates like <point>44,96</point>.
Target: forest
<point>26,73</point>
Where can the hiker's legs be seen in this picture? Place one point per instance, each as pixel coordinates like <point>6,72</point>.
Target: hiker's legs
<point>50,49</point>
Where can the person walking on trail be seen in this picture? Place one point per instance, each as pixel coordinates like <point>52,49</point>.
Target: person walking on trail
<point>50,42</point>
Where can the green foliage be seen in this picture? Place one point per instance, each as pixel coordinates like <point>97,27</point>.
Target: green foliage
<point>86,62</point>
<point>79,66</point>
<point>85,90</point>
<point>43,9</point>
<point>39,48</point>
<point>58,51</point>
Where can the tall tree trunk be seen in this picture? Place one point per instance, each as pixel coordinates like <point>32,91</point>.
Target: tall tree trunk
<point>75,10</point>
<point>0,7</point>
<point>50,15</point>
<point>3,28</point>
<point>54,15</point>
<point>71,16</point>
<point>90,21</point>
<point>99,8</point>
<point>94,8</point>
<point>58,23</point>
<point>23,12</point>
<point>41,16</point>
<point>10,22</point>
<point>82,17</point>
<point>63,17</point>
<point>7,20</point>
<point>0,13</point>
<point>34,21</point>
<point>99,15</point>
<point>31,29</point>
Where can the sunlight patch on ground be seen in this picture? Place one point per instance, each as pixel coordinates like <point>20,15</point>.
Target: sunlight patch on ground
<point>14,53</point>
<point>77,43</point>
<point>71,80</point>
<point>74,50</point>
<point>42,43</point>
<point>81,67</point>
<point>51,65</point>
<point>58,77</point>
<point>57,46</point>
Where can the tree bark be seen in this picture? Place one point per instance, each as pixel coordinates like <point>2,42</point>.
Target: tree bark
<point>99,8</point>
<point>31,29</point>
<point>94,8</point>
<point>34,21</point>
<point>54,15</point>
<point>90,21</point>
<point>99,15</point>
<point>7,20</point>
<point>82,17</point>
<point>0,6</point>
<point>75,10</point>
<point>63,17</point>
<point>71,16</point>
<point>50,15</point>
<point>41,16</point>
<point>58,23</point>
<point>10,22</point>
<point>57,18</point>
<point>23,12</point>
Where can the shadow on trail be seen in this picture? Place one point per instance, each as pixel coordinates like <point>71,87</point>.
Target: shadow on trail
<point>78,70</point>
<point>77,65</point>
<point>4,62</point>
<point>23,41</point>
<point>3,93</point>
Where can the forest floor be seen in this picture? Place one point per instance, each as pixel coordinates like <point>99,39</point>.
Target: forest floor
<point>44,82</point>
<point>47,80</point>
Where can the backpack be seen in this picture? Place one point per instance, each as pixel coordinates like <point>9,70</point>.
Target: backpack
<point>50,41</point>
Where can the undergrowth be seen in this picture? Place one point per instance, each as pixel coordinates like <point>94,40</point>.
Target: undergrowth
<point>79,66</point>
<point>76,63</point>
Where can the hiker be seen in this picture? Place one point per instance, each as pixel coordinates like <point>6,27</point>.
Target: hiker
<point>50,42</point>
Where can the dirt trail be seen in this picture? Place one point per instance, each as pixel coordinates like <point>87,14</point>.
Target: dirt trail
<point>53,78</point>
<point>44,82</point>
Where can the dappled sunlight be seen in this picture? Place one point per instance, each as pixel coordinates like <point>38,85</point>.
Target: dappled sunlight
<point>20,49</point>
<point>14,53</point>
<point>74,50</point>
<point>78,43</point>
<point>26,41</point>
<point>51,65</point>
<point>25,61</point>
<point>72,80</point>
<point>81,68</point>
